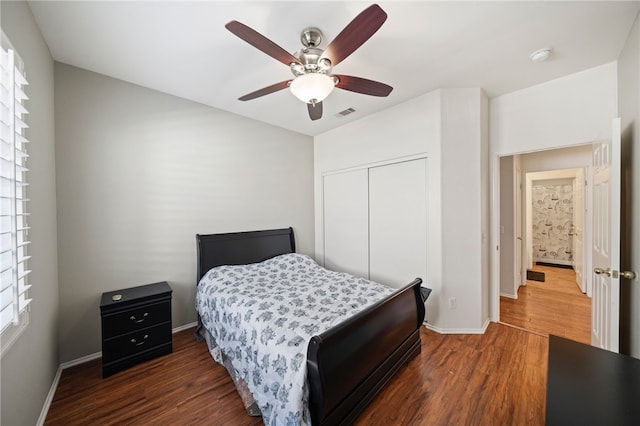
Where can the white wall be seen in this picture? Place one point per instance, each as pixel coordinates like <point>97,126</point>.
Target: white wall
<point>28,368</point>
<point>464,209</point>
<point>629,105</point>
<point>140,172</point>
<point>569,111</point>
<point>415,129</point>
<point>448,127</point>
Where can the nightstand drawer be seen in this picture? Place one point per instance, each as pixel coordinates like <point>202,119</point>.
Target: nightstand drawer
<point>137,341</point>
<point>136,319</point>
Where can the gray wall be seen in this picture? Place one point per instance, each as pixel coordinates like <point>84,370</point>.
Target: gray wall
<point>140,172</point>
<point>28,368</point>
<point>507,228</point>
<point>629,109</point>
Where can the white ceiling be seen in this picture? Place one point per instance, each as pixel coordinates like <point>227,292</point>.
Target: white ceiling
<point>182,48</point>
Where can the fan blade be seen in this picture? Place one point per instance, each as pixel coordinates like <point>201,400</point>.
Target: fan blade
<point>355,34</point>
<point>362,85</point>
<point>315,110</point>
<point>265,90</point>
<point>260,42</point>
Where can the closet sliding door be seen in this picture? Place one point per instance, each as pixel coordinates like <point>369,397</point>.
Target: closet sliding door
<point>398,222</point>
<point>375,222</point>
<point>346,226</point>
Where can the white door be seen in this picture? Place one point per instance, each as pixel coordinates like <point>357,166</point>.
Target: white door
<point>606,242</point>
<point>346,227</point>
<point>578,229</point>
<point>398,222</point>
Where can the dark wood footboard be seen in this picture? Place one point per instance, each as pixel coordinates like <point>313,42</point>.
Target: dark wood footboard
<point>349,364</point>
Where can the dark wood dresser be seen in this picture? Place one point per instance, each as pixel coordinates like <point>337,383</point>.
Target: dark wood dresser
<point>136,326</point>
<point>591,386</point>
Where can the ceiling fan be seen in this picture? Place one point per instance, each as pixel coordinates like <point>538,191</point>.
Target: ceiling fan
<point>311,65</point>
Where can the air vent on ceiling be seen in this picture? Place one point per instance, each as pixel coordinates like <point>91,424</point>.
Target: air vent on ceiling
<point>345,112</point>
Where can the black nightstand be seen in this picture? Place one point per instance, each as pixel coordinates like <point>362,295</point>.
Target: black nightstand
<point>136,326</point>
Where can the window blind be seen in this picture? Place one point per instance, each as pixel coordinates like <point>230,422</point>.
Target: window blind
<point>14,229</point>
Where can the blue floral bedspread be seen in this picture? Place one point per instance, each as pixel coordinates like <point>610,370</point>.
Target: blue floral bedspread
<point>262,317</point>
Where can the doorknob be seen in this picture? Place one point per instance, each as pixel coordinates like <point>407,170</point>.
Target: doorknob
<point>600,271</point>
<point>608,272</point>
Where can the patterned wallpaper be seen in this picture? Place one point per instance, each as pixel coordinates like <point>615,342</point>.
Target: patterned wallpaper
<point>552,219</point>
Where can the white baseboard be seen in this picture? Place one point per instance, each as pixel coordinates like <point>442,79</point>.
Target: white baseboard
<point>510,296</point>
<point>459,330</point>
<point>184,327</point>
<point>50,395</point>
<point>78,361</point>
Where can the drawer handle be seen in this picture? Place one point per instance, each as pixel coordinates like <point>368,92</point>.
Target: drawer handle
<point>144,339</point>
<point>134,319</point>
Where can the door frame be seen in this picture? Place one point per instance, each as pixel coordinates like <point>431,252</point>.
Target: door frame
<point>494,223</point>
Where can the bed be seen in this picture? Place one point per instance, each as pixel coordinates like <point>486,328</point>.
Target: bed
<point>346,364</point>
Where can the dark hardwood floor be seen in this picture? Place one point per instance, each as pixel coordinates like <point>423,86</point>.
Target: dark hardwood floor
<point>497,378</point>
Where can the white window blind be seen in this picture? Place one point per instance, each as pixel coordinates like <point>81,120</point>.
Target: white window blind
<point>13,191</point>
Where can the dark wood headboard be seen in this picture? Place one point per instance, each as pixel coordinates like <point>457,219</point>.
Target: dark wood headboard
<point>241,248</point>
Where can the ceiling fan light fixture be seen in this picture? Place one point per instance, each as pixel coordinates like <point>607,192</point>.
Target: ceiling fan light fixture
<point>312,87</point>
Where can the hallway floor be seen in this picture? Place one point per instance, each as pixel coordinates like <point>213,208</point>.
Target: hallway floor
<point>555,306</point>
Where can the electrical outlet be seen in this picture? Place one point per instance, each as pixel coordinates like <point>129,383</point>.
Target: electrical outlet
<point>453,303</point>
